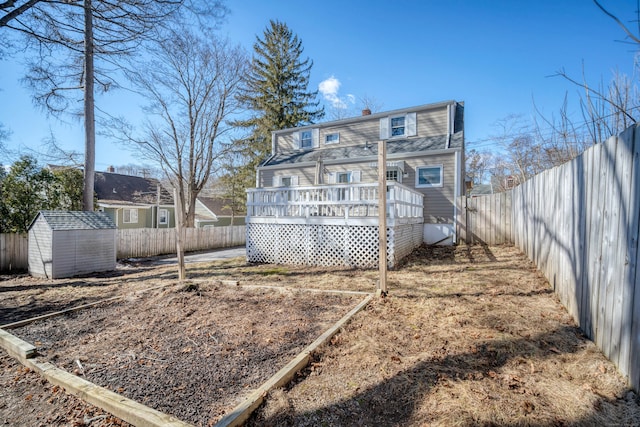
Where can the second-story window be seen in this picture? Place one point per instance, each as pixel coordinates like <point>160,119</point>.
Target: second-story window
<point>306,139</point>
<point>332,138</point>
<point>397,126</point>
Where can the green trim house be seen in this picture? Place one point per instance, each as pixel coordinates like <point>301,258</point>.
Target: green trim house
<point>133,201</point>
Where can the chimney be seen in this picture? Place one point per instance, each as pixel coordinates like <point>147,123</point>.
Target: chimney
<point>366,112</point>
<point>111,169</point>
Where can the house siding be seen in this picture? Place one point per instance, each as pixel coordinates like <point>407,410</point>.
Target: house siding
<point>83,251</point>
<point>146,217</point>
<point>432,122</point>
<point>438,201</point>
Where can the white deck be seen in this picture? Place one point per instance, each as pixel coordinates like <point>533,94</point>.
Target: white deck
<point>331,224</point>
<point>356,204</point>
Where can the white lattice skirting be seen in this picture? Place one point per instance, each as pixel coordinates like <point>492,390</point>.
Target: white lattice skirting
<point>329,245</point>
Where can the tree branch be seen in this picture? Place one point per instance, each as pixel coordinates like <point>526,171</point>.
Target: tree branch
<point>615,18</point>
<point>16,12</point>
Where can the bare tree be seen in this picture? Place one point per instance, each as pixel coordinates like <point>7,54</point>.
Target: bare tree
<point>477,166</point>
<point>191,85</point>
<point>68,36</point>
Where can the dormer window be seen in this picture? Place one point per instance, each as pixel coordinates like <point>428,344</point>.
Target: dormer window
<point>397,126</point>
<point>306,140</point>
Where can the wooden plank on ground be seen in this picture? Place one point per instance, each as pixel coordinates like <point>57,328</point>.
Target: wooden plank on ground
<point>242,412</point>
<point>120,406</point>
<point>16,347</point>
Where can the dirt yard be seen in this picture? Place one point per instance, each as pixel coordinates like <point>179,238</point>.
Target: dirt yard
<point>467,336</point>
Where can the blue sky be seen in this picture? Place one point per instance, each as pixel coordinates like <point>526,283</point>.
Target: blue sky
<point>496,56</point>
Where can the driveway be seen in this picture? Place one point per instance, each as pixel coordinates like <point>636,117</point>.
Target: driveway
<point>214,255</point>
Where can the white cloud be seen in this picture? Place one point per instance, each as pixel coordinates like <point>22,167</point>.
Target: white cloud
<point>329,89</point>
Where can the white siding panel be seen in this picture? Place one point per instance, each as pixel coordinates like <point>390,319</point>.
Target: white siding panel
<point>64,253</point>
<point>40,249</point>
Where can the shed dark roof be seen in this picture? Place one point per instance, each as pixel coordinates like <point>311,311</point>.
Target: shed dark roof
<point>76,220</point>
<point>367,149</point>
<point>129,189</point>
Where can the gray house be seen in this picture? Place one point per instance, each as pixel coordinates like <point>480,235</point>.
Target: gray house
<point>69,243</point>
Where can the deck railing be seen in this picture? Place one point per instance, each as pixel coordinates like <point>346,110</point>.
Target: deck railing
<point>333,200</point>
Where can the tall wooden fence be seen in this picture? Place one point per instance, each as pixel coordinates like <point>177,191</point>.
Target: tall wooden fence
<point>144,242</point>
<point>13,252</point>
<point>485,219</point>
<point>579,223</point>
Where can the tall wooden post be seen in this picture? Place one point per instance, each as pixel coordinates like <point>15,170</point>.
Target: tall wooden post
<point>179,247</point>
<point>382,217</point>
<point>89,112</point>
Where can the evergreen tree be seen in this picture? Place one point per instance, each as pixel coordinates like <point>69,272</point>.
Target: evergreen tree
<point>275,92</point>
<point>28,188</point>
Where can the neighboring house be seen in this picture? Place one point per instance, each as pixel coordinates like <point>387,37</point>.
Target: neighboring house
<point>133,201</point>
<point>425,152</point>
<point>214,211</point>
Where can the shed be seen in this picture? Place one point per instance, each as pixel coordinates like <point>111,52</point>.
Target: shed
<point>69,243</point>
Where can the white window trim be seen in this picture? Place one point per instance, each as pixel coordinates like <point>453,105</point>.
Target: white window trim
<point>404,126</point>
<point>349,175</point>
<point>166,218</point>
<point>302,146</point>
<point>279,179</point>
<point>354,176</point>
<point>398,172</point>
<point>337,141</point>
<point>418,185</point>
<point>133,216</point>
<point>410,126</point>
<point>315,138</point>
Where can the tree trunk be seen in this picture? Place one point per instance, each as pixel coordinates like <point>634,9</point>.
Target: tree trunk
<point>89,113</point>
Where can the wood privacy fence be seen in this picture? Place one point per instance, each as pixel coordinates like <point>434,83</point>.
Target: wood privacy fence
<point>138,242</point>
<point>144,242</point>
<point>579,223</point>
<point>13,252</point>
<point>485,219</point>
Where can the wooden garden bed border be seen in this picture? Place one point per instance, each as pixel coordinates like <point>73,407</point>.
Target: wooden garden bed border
<point>141,415</point>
